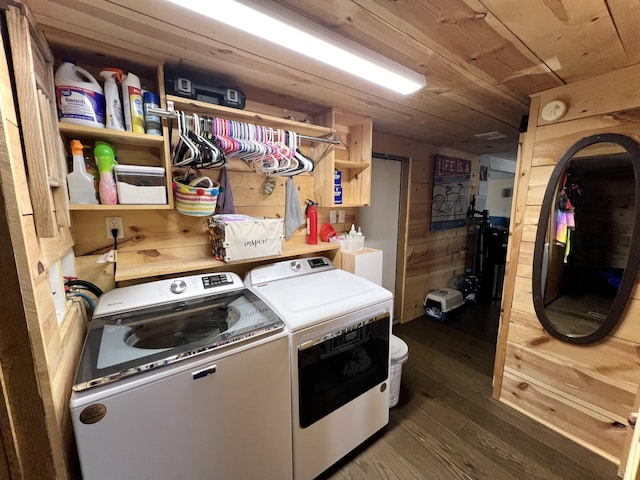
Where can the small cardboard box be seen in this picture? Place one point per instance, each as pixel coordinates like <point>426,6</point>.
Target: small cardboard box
<point>240,237</point>
<point>139,185</point>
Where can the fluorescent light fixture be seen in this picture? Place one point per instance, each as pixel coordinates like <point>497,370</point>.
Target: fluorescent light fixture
<point>374,68</point>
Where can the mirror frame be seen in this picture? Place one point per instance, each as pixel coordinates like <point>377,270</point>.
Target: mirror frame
<point>633,259</point>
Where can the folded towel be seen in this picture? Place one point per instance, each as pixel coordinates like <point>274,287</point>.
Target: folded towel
<point>225,198</point>
<point>293,216</point>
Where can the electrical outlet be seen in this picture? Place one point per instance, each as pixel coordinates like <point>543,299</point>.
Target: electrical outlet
<point>114,222</point>
<point>332,216</point>
<point>341,216</point>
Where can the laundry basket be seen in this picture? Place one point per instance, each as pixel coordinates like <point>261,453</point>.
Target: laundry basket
<point>399,353</point>
<point>196,198</point>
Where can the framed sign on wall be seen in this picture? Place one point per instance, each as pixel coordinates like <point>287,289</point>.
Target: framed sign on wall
<point>451,186</point>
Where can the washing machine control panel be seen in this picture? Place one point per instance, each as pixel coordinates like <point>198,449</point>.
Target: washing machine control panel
<point>212,281</point>
<point>318,262</point>
<point>178,286</point>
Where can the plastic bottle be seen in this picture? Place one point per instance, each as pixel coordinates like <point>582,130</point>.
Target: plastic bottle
<point>113,105</point>
<point>359,232</point>
<point>152,123</point>
<point>79,96</point>
<point>312,222</point>
<point>82,188</point>
<point>105,159</point>
<point>132,103</point>
<point>352,232</point>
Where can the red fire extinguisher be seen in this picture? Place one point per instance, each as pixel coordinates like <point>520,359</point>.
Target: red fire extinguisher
<point>312,222</point>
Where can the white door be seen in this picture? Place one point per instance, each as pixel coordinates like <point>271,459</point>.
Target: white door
<point>379,221</point>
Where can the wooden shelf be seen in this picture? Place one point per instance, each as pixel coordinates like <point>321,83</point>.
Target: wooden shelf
<point>114,136</point>
<point>352,158</point>
<point>82,207</point>
<point>143,264</point>
<point>245,116</point>
<point>353,166</point>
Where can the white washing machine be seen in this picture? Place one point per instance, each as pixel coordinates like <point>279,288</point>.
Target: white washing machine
<point>184,378</point>
<point>340,326</point>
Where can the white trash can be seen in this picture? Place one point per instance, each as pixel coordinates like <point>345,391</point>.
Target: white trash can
<point>399,353</point>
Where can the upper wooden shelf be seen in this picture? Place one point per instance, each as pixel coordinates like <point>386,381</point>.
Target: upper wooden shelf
<point>245,116</point>
<point>114,136</point>
<point>342,165</point>
<point>120,206</point>
<point>143,264</point>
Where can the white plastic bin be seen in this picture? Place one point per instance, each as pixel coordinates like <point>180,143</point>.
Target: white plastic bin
<point>399,353</point>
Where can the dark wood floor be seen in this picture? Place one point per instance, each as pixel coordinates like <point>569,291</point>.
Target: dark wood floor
<point>446,424</point>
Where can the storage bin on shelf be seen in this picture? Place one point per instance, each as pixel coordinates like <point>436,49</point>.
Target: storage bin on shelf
<point>138,185</point>
<point>349,244</point>
<point>240,237</point>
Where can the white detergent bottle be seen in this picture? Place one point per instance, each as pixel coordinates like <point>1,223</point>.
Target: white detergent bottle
<point>132,103</point>
<point>79,96</point>
<point>113,105</point>
<point>82,189</point>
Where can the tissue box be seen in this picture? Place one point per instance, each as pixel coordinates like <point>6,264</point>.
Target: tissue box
<point>240,237</point>
<point>139,185</point>
<point>348,245</point>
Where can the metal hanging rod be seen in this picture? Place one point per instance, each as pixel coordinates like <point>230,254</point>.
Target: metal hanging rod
<point>172,113</point>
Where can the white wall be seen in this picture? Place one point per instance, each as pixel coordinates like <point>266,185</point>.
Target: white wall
<point>498,205</point>
<point>379,221</point>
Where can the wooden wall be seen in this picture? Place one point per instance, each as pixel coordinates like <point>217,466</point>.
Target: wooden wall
<point>168,229</point>
<point>427,260</point>
<point>37,354</point>
<point>584,392</point>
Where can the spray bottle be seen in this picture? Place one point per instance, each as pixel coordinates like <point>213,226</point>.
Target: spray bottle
<point>113,104</point>
<point>105,159</point>
<point>82,188</point>
<point>312,222</point>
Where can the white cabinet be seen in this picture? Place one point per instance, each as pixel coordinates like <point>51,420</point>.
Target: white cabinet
<point>367,263</point>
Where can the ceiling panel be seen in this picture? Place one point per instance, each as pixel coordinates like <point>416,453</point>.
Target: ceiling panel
<point>481,58</point>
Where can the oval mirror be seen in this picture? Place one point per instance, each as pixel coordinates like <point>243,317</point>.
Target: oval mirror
<point>586,252</point>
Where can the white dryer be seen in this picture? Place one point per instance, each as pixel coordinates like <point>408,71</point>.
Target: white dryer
<point>340,327</point>
<point>184,378</point>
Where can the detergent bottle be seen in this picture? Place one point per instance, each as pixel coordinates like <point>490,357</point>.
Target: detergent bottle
<point>105,159</point>
<point>113,105</point>
<point>82,188</point>
<point>79,96</point>
<point>132,103</point>
<point>152,123</point>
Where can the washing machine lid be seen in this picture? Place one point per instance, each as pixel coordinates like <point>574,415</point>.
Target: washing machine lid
<point>125,342</point>
<point>307,296</point>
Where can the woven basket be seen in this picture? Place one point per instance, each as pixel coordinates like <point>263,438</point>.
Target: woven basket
<point>197,198</point>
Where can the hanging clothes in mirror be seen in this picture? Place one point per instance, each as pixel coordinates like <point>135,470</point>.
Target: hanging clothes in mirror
<point>565,216</point>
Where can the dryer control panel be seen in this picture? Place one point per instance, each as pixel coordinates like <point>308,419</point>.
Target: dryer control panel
<point>287,269</point>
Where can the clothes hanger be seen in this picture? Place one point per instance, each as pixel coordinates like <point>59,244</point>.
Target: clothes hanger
<point>185,150</point>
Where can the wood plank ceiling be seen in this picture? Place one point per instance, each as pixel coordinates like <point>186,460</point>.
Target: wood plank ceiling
<point>481,58</point>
